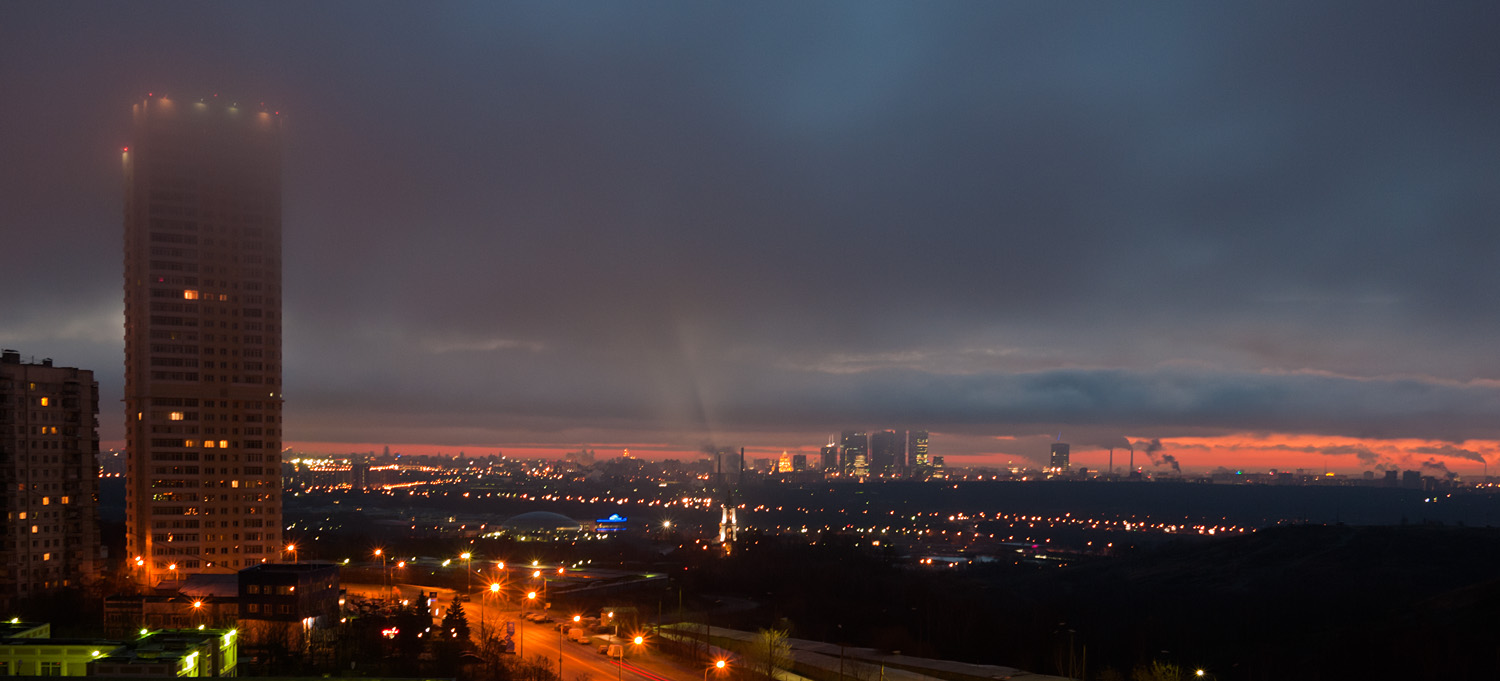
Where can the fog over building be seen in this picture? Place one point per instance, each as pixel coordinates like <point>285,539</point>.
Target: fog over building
<point>202,336</point>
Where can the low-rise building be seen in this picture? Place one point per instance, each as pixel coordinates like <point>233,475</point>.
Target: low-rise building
<point>28,649</point>
<point>172,653</point>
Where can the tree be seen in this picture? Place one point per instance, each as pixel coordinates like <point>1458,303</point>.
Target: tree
<point>771,651</point>
<point>1157,671</point>
<point>455,624</point>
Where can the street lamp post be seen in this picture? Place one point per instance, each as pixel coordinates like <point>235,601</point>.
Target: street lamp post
<point>718,667</point>
<point>467,573</point>
<point>620,665</point>
<point>493,593</point>
<point>385,577</point>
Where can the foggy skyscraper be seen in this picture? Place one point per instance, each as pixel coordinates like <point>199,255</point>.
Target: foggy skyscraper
<point>202,337</point>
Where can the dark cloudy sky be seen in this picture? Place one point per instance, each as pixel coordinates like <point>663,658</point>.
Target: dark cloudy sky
<point>531,226</point>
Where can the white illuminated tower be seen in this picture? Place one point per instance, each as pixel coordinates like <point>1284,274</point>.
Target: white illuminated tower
<point>202,337</point>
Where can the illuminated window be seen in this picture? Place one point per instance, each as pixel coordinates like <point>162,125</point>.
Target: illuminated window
<point>190,443</point>
<point>65,500</point>
<point>46,556</point>
<point>46,501</point>
<point>35,529</point>
<point>45,401</point>
<point>190,294</point>
<point>234,483</point>
<point>175,416</point>
<point>208,443</point>
<point>23,515</point>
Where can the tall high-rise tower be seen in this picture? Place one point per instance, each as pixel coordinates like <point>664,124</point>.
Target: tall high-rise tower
<point>1058,462</point>
<point>854,452</point>
<point>887,452</point>
<point>202,337</point>
<point>916,448</point>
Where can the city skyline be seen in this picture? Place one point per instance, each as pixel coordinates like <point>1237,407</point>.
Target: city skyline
<point>1258,235</point>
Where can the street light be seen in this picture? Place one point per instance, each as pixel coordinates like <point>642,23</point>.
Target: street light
<point>718,667</point>
<point>292,549</point>
<point>469,574</point>
<point>620,670</point>
<point>385,577</point>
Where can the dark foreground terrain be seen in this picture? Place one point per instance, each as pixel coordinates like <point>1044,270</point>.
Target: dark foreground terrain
<point>1294,602</point>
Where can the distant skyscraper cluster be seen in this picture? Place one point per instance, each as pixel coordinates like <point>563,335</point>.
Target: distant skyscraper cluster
<point>882,453</point>
<point>202,337</point>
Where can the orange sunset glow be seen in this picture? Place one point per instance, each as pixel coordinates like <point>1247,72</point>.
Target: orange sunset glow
<point>1238,451</point>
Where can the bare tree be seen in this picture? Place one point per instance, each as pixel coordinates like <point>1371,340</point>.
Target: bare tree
<point>771,651</point>
<point>1158,671</point>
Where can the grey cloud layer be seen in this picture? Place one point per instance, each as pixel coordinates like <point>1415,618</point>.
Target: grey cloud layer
<point>651,218</point>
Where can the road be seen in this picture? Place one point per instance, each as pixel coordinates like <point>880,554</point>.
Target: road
<point>580,662</point>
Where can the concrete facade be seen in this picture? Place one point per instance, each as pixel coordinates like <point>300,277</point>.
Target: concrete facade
<point>49,534</point>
